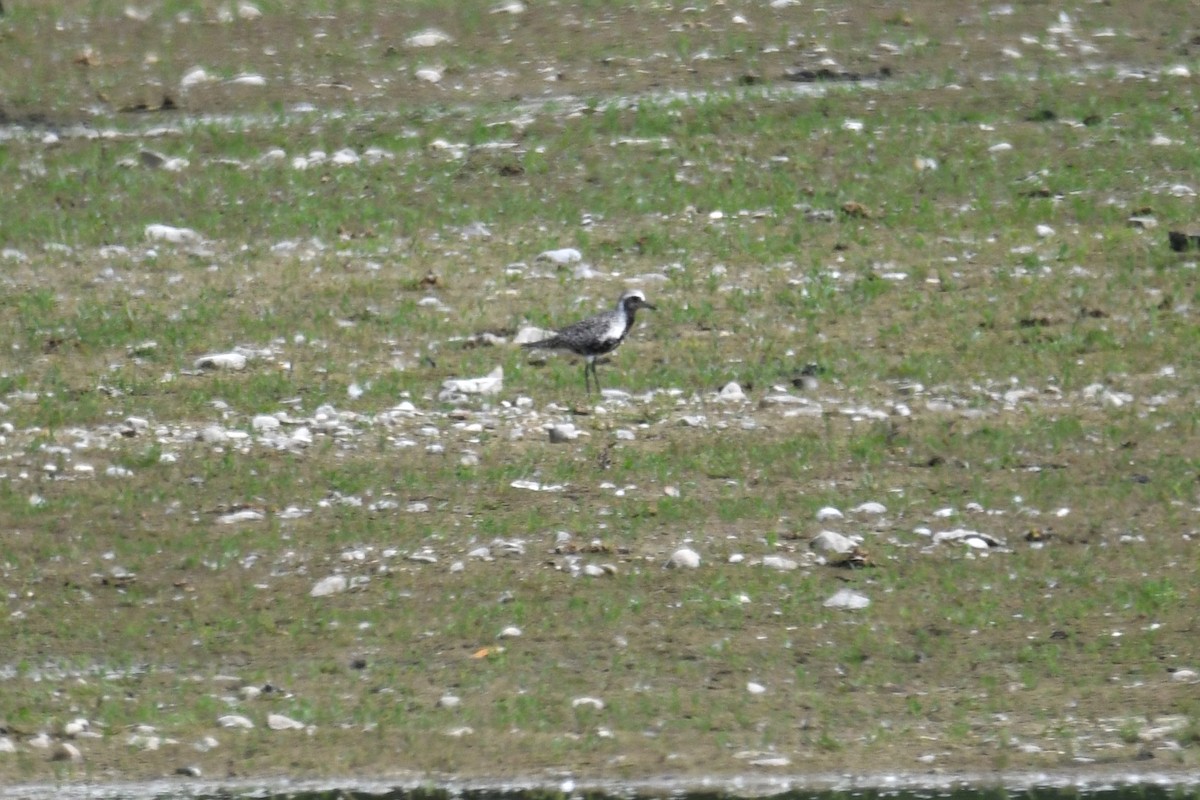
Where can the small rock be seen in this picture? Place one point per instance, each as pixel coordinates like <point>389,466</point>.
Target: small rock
<point>847,599</point>
<point>206,743</point>
<point>449,701</point>
<point>566,255</point>
<point>75,727</point>
<point>247,79</point>
<point>779,563</point>
<point>828,513</point>
<point>683,558</point>
<point>235,721</point>
<point>975,539</point>
<point>214,434</point>
<point>870,507</point>
<point>489,384</point>
<point>265,422</point>
<point>529,334</point>
<point>589,702</point>
<point>832,542</point>
<point>65,751</point>
<point>755,688</point>
<point>194,77</point>
<point>172,235</point>
<point>428,74</point>
<point>428,38</point>
<point>1002,147</point>
<point>1044,231</point>
<point>1184,676</point>
<point>189,771</point>
<point>732,392</point>
<point>563,432</point>
<point>244,515</point>
<point>230,361</point>
<point>511,632</point>
<point>278,722</point>
<point>1166,726</point>
<point>331,585</point>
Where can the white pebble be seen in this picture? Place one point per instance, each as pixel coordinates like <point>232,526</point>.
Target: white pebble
<point>428,38</point>
<point>264,422</point>
<point>65,751</point>
<point>847,599</point>
<point>755,688</point>
<point>171,234</point>
<point>684,557</point>
<point>235,721</point>
<point>511,632</point>
<point>429,75</point>
<point>566,255</point>
<point>278,722</point>
<point>828,513</point>
<point>243,515</point>
<point>206,743</point>
<point>194,77</point>
<point>732,392</point>
<point>563,432</point>
<point>75,727</point>
<point>831,542</point>
<point>247,80</point>
<point>779,563</point>
<point>230,361</point>
<point>331,585</point>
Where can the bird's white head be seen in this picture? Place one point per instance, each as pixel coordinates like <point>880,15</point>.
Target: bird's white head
<point>634,299</point>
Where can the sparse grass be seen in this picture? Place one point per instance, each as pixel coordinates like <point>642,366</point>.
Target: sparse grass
<point>1056,396</point>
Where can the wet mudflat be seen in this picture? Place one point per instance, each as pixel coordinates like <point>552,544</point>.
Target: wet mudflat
<point>898,478</point>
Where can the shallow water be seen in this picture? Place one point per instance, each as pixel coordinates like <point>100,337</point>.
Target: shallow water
<point>1066,785</point>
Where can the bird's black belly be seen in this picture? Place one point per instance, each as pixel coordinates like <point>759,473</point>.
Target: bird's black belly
<point>598,347</point>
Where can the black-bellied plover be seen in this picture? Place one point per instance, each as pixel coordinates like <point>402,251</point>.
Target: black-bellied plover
<point>598,335</point>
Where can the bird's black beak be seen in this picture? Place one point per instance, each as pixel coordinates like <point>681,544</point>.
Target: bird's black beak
<point>650,306</point>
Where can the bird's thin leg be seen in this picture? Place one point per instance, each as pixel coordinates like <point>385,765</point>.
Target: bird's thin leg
<point>587,385</point>
<point>596,378</point>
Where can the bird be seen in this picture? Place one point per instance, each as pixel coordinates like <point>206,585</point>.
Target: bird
<point>597,336</point>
